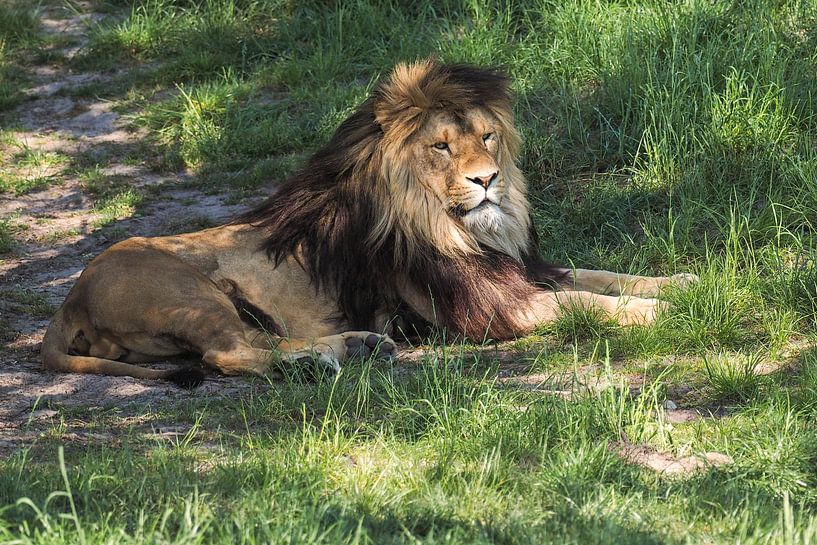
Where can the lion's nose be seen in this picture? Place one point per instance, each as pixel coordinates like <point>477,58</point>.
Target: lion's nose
<point>484,181</point>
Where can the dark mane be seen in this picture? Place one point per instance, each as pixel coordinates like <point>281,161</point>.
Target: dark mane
<point>325,214</point>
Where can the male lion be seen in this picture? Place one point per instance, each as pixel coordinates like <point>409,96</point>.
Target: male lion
<point>415,207</point>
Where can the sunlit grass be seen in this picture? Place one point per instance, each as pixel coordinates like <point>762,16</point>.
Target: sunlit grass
<point>30,170</point>
<point>376,458</point>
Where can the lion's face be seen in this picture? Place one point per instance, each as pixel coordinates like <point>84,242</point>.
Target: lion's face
<point>456,157</point>
<point>448,149</point>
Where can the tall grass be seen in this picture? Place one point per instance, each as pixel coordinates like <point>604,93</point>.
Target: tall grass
<point>652,130</point>
<point>18,23</point>
<point>442,455</point>
<point>18,29</point>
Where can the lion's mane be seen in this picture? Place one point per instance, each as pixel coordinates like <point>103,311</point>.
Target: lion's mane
<point>359,221</point>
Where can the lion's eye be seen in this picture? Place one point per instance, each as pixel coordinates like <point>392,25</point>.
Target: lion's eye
<point>487,136</point>
<point>441,145</point>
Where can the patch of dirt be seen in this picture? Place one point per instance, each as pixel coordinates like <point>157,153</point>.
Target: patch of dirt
<point>58,233</point>
<point>667,464</point>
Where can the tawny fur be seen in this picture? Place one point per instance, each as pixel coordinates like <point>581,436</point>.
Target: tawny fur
<point>415,210</point>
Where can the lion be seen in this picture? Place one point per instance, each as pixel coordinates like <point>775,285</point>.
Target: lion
<point>414,212</point>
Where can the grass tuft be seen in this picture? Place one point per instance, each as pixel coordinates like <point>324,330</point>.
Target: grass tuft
<point>735,378</point>
<point>19,23</point>
<point>114,195</point>
<point>7,230</point>
<point>721,310</point>
<point>18,29</point>
<point>33,303</point>
<point>581,324</point>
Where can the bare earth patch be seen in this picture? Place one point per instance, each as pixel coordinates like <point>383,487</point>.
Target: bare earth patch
<point>57,232</point>
<point>667,464</point>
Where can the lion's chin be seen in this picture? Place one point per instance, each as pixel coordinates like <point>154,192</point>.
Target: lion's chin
<point>487,217</point>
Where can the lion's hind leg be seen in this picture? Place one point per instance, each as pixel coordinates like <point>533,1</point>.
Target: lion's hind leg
<point>262,353</point>
<point>73,345</point>
<point>243,358</point>
<point>548,306</point>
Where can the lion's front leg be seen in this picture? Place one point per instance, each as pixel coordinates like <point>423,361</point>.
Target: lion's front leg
<point>546,307</point>
<point>268,355</point>
<point>610,283</point>
<point>328,352</point>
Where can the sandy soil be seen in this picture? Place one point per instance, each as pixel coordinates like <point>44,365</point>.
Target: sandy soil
<point>57,237</point>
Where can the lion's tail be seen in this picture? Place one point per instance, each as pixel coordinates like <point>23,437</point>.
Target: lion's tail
<point>55,356</point>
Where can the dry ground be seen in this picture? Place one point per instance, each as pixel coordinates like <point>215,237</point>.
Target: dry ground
<point>58,235</point>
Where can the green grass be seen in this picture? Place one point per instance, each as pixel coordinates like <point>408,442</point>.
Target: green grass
<point>30,170</point>
<point>735,378</point>
<point>659,138</point>
<point>440,455</point>
<point>18,30</point>
<point>113,195</point>
<point>579,324</point>
<point>24,300</point>
<point>18,23</point>
<point>119,206</point>
<point>8,93</point>
<point>7,231</point>
<point>32,158</point>
<point>21,184</point>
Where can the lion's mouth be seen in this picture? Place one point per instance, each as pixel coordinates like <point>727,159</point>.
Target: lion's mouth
<point>460,211</point>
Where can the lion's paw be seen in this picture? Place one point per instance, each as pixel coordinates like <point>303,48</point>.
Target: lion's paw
<point>683,280</point>
<point>364,344</point>
<point>317,366</point>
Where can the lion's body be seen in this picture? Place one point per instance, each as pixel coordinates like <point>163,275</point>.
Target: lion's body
<point>228,253</point>
<point>148,298</point>
<point>282,291</point>
<point>416,206</point>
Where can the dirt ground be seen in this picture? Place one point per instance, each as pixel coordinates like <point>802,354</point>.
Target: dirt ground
<point>57,237</point>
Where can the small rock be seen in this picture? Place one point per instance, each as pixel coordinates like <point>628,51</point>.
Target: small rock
<point>670,405</point>
<point>43,414</point>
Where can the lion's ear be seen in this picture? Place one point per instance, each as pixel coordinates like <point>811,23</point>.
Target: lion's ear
<point>393,120</point>
<point>405,95</point>
<point>385,112</point>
